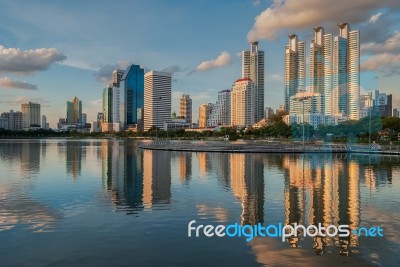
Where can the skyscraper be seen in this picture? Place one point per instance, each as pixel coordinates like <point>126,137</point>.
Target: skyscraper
<point>157,99</point>
<point>295,68</point>
<point>30,115</point>
<point>185,108</point>
<point>44,122</point>
<point>242,103</point>
<point>131,95</point>
<point>346,73</point>
<point>321,67</point>
<point>117,77</point>
<point>74,111</point>
<point>107,104</point>
<point>253,68</point>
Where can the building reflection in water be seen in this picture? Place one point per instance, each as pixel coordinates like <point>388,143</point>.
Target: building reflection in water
<point>185,166</point>
<point>328,188</point>
<point>247,182</point>
<point>135,179</point>
<point>75,152</point>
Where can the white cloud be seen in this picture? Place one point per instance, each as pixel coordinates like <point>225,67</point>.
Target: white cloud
<point>383,57</point>
<point>222,60</point>
<point>296,15</point>
<point>6,82</point>
<point>375,18</point>
<point>14,60</point>
<point>384,60</point>
<point>391,45</point>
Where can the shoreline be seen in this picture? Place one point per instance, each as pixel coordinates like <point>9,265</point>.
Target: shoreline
<point>248,147</point>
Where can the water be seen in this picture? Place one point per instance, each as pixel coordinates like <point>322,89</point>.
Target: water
<point>109,203</point>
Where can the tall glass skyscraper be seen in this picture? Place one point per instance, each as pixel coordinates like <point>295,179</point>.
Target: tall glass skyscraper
<point>74,111</point>
<point>131,95</point>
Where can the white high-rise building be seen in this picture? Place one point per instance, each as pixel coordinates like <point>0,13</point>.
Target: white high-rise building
<point>44,122</point>
<point>346,73</point>
<point>295,68</point>
<point>220,114</point>
<point>242,103</point>
<point>321,67</point>
<point>30,115</point>
<point>157,99</point>
<point>253,68</point>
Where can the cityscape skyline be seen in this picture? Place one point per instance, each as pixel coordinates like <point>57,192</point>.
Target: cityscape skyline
<point>202,72</point>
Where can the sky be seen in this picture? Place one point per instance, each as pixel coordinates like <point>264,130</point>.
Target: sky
<point>51,51</point>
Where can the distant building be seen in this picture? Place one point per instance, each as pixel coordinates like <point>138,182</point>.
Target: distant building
<point>242,103</point>
<point>84,118</point>
<point>221,113</point>
<point>175,124</point>
<point>313,119</point>
<point>157,99</point>
<point>268,112</point>
<point>30,115</point>
<point>74,111</point>
<point>14,119</point>
<point>204,113</point>
<point>395,113</point>
<point>306,103</point>
<point>185,108</point>
<point>131,91</point>
<point>44,122</point>
<point>4,123</point>
<point>140,119</point>
<point>117,77</point>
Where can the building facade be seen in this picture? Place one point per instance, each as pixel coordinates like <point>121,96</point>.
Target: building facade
<point>157,99</point>
<point>221,113</point>
<point>30,115</point>
<point>346,73</point>
<point>131,90</point>
<point>242,103</point>
<point>205,111</point>
<point>253,68</point>
<point>295,68</point>
<point>306,103</point>
<point>74,111</point>
<point>185,108</point>
<point>14,120</point>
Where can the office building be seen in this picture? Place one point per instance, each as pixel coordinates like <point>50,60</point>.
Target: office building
<point>221,113</point>
<point>295,68</point>
<point>157,99</point>
<point>84,118</point>
<point>242,103</point>
<point>204,114</point>
<point>131,91</point>
<point>185,108</point>
<point>30,115</point>
<point>253,68</point>
<point>74,111</point>
<point>14,120</point>
<point>346,73</point>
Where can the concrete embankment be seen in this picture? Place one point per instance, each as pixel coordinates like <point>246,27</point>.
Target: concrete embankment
<point>265,147</point>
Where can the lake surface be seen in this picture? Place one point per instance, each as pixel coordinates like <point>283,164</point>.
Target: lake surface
<point>109,203</point>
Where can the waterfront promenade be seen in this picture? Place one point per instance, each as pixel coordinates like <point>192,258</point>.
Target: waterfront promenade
<point>267,147</point>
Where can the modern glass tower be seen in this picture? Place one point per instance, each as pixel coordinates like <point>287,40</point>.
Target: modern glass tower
<point>131,95</point>
<point>74,111</point>
<point>295,68</point>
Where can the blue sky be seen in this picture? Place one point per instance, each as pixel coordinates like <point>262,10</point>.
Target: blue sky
<point>51,51</point>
